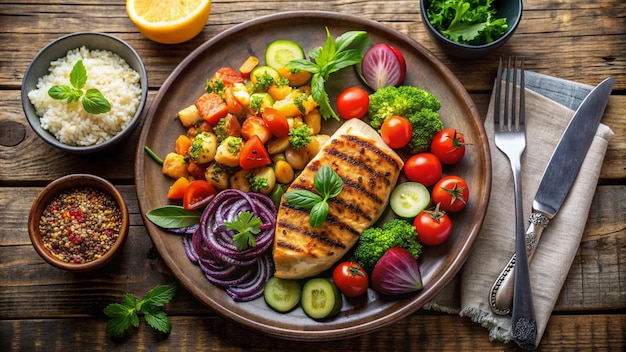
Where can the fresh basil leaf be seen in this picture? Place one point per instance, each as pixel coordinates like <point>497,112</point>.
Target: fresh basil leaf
<point>351,37</point>
<point>327,182</point>
<point>173,217</point>
<point>302,198</point>
<point>95,103</point>
<point>60,92</point>
<point>78,76</point>
<point>318,214</point>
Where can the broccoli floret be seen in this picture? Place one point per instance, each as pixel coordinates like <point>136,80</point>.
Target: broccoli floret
<point>220,130</point>
<point>299,137</point>
<point>258,183</point>
<point>215,85</point>
<point>426,124</point>
<point>417,105</point>
<point>375,241</point>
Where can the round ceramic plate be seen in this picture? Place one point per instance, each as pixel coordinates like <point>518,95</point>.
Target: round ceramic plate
<point>230,48</point>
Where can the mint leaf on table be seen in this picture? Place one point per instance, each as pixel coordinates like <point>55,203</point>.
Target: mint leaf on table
<point>124,315</point>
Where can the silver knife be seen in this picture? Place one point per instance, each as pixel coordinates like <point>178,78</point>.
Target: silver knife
<point>556,182</point>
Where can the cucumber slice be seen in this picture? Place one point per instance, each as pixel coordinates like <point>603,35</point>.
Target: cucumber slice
<point>409,199</point>
<point>282,295</point>
<point>281,51</point>
<point>321,299</point>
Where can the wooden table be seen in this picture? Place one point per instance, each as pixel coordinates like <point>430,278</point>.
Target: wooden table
<point>42,308</point>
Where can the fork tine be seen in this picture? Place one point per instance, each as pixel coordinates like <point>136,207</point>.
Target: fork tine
<point>507,101</point>
<point>522,96</point>
<point>513,120</point>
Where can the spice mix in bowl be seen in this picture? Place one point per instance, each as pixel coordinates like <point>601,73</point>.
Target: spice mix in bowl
<point>78,222</point>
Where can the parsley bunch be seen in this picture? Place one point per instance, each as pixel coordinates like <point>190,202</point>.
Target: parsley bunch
<point>93,100</point>
<point>126,314</point>
<point>328,184</point>
<point>345,51</point>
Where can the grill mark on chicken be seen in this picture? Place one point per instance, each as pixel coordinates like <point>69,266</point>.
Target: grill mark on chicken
<point>373,148</point>
<point>357,187</point>
<point>340,203</point>
<point>357,163</point>
<point>325,240</point>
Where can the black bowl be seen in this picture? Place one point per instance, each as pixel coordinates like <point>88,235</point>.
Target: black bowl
<point>510,9</point>
<point>58,49</point>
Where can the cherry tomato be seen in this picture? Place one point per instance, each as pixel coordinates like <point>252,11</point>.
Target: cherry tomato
<point>449,146</point>
<point>253,154</point>
<point>396,131</point>
<point>211,107</point>
<point>350,279</point>
<point>424,168</point>
<point>433,227</point>
<point>255,126</point>
<point>353,103</point>
<point>228,75</point>
<point>451,192</point>
<point>276,121</point>
<point>198,194</point>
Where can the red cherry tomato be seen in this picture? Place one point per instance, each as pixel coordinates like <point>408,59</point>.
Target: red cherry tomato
<point>253,154</point>
<point>353,103</point>
<point>433,227</point>
<point>396,131</point>
<point>198,194</point>
<point>424,168</point>
<point>451,192</point>
<point>350,279</point>
<point>255,126</point>
<point>449,146</point>
<point>276,121</point>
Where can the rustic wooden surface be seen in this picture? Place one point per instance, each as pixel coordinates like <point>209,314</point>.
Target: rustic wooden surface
<point>42,308</point>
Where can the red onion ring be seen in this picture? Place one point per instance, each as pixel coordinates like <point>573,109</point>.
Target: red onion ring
<point>242,272</point>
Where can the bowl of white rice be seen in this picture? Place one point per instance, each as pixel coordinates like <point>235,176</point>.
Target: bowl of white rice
<point>111,66</point>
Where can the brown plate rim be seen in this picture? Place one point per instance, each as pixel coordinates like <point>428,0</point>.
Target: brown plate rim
<point>352,327</point>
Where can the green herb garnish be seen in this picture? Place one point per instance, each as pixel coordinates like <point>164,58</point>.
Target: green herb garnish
<point>126,314</point>
<point>247,225</point>
<point>173,217</point>
<point>345,51</point>
<point>327,184</point>
<point>467,21</point>
<point>93,100</point>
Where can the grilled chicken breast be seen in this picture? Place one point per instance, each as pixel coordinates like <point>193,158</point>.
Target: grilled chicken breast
<point>369,170</point>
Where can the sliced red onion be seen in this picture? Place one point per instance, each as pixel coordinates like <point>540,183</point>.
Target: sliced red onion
<point>242,272</point>
<point>383,65</point>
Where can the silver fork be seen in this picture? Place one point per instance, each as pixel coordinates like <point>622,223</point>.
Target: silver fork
<point>510,138</point>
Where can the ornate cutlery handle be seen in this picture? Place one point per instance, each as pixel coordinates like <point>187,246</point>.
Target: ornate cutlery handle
<point>501,294</point>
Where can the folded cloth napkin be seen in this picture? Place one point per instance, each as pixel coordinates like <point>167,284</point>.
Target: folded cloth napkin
<point>549,107</point>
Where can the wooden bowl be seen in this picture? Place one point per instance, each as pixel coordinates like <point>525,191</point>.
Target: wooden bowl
<point>53,190</point>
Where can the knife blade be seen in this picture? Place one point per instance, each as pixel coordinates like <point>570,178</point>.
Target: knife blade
<point>555,184</point>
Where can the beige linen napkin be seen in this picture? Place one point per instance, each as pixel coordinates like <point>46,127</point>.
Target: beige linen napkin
<point>546,121</point>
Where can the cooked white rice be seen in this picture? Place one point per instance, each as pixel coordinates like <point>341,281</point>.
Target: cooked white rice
<point>70,123</point>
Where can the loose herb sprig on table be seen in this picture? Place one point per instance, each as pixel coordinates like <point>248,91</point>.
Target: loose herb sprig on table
<point>126,314</point>
<point>93,100</point>
<point>345,51</point>
<point>328,184</point>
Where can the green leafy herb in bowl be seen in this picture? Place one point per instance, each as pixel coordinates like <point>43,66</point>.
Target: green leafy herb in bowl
<point>471,22</point>
<point>470,28</point>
